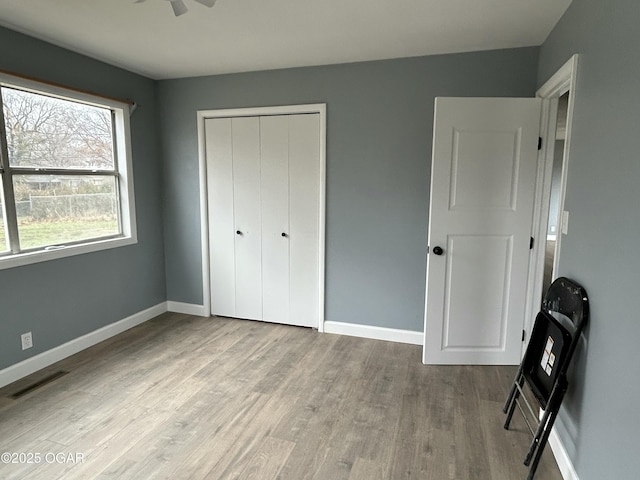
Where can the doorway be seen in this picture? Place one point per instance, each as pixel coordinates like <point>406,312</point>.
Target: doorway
<point>550,218</point>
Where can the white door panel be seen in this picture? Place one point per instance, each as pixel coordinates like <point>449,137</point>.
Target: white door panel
<point>304,173</point>
<point>274,141</point>
<point>246,191</point>
<point>482,186</point>
<point>484,170</point>
<point>484,307</point>
<point>219,154</point>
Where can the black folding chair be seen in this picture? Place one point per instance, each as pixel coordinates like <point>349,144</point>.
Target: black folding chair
<point>555,335</point>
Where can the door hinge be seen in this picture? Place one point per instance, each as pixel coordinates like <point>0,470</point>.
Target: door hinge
<point>523,335</point>
<point>531,243</point>
<point>539,143</point>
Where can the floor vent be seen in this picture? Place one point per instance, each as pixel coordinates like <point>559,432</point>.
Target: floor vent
<point>38,384</point>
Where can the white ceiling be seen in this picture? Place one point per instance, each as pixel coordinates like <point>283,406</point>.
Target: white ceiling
<point>247,35</point>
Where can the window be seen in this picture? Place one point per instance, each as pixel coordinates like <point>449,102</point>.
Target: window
<point>66,184</point>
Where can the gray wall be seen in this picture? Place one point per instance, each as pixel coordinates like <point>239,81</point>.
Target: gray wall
<point>60,300</point>
<point>380,117</point>
<point>600,424</point>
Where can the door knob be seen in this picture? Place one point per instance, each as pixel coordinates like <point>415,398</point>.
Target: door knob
<point>238,232</point>
<point>437,251</point>
<point>284,235</point>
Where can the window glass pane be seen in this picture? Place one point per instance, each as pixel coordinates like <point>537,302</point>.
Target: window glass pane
<point>48,132</point>
<point>4,237</point>
<point>59,209</point>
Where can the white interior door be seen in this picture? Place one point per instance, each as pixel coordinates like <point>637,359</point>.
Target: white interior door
<point>482,189</point>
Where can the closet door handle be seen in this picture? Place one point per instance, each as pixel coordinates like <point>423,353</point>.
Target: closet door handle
<point>284,235</point>
<point>238,232</point>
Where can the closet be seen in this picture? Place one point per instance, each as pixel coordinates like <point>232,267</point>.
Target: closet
<point>263,194</point>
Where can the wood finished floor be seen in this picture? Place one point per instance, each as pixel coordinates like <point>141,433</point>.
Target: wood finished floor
<point>184,397</point>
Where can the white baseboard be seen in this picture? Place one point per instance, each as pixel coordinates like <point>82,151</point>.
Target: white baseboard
<point>44,359</point>
<point>187,308</point>
<point>562,457</point>
<point>375,333</point>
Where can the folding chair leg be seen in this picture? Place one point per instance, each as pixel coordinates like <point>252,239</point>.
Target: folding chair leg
<point>542,443</point>
<point>546,423</point>
<point>535,443</point>
<point>519,380</point>
<point>510,406</point>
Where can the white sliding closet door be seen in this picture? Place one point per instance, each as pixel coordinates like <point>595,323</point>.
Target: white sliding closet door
<point>263,177</point>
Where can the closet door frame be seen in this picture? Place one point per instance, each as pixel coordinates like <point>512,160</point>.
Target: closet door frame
<point>202,115</point>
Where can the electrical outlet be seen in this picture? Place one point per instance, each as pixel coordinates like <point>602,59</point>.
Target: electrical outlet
<point>27,340</point>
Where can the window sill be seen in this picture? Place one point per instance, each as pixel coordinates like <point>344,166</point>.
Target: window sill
<point>11,261</point>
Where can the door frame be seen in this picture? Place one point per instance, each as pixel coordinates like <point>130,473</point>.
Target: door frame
<point>202,115</point>
<point>563,81</point>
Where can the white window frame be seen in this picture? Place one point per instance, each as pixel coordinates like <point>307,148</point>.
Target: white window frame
<point>124,167</point>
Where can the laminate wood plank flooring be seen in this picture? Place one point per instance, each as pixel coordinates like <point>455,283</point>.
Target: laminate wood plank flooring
<point>185,397</point>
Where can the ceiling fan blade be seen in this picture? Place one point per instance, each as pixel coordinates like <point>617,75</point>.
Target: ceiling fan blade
<point>179,8</point>
<point>139,1</point>
<point>208,3</point>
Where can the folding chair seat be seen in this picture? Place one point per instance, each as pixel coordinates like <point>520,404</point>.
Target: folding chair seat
<point>554,338</point>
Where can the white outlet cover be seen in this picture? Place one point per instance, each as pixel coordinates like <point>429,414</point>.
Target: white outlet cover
<point>27,340</point>
<point>565,222</point>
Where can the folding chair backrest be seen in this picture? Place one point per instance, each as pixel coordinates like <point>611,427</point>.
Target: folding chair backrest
<point>566,300</point>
